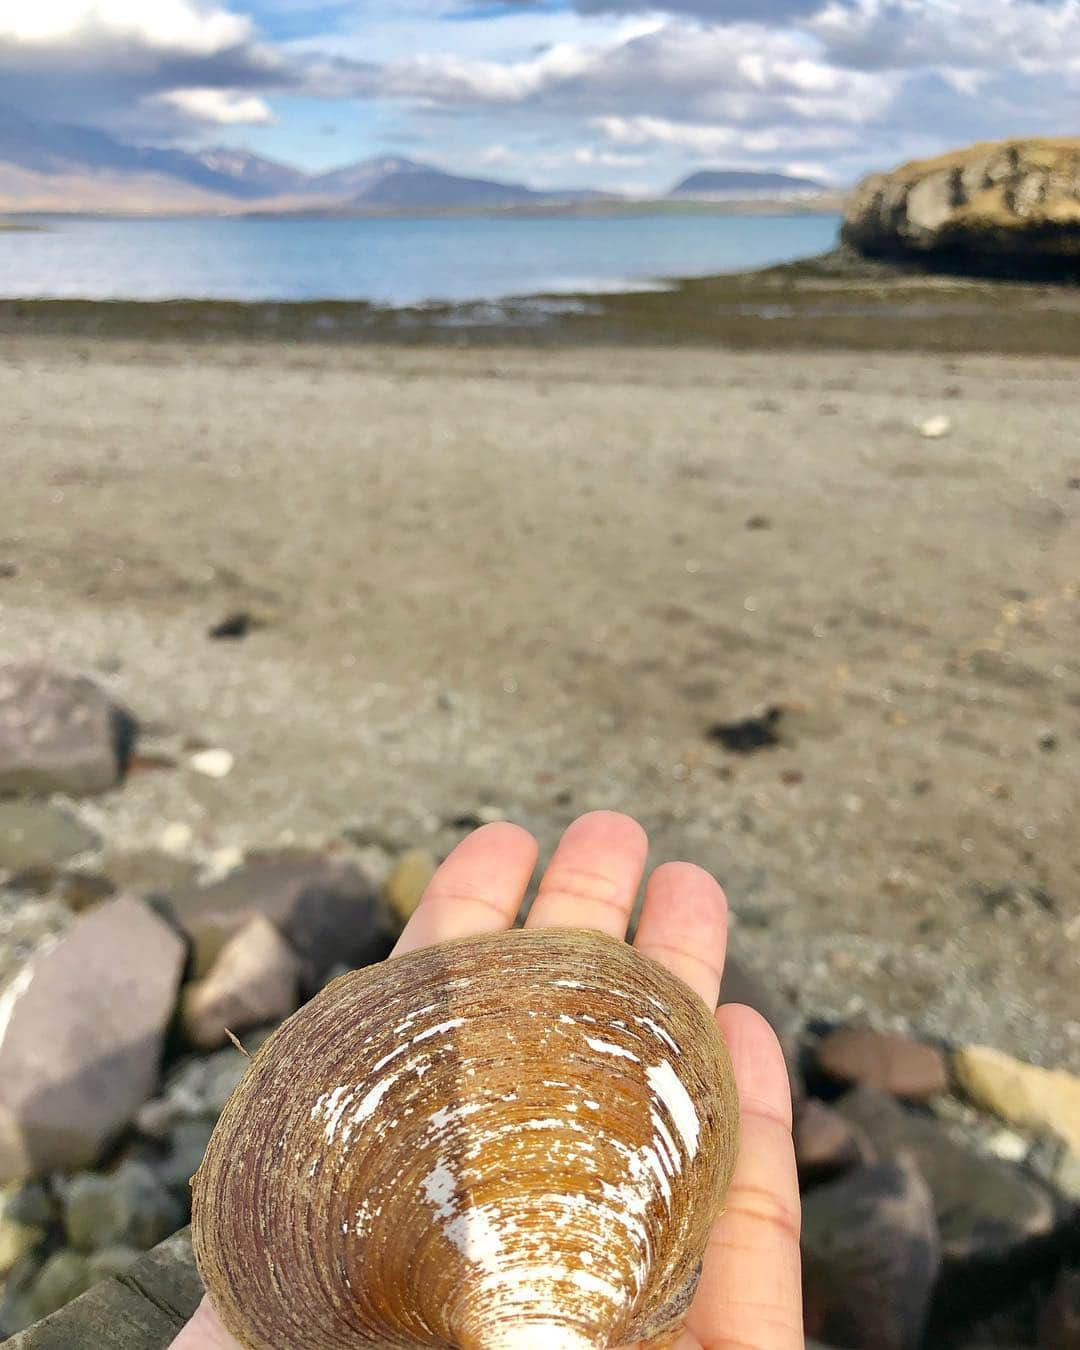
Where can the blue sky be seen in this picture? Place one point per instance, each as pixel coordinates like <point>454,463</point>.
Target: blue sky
<point>628,94</point>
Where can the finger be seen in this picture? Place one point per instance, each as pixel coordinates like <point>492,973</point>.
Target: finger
<point>750,1291</point>
<point>204,1332</point>
<point>477,889</point>
<point>593,876</point>
<point>683,925</point>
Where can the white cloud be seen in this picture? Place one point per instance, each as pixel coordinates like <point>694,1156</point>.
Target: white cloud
<point>218,107</point>
<point>987,34</point>
<point>173,25</point>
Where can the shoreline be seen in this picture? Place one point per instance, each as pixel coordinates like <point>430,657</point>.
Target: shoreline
<point>832,302</point>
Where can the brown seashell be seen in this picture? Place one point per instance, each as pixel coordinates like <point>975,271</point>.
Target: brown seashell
<point>516,1140</point>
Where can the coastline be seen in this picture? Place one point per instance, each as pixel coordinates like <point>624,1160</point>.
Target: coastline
<point>834,302</point>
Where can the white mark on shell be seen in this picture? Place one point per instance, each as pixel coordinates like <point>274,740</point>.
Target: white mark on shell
<point>665,1083</point>
<point>607,1048</point>
<point>439,1029</point>
<point>658,1030</point>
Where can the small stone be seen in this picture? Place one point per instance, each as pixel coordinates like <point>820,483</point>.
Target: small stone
<point>215,763</point>
<point>408,881</point>
<point>195,1090</point>
<point>149,871</point>
<point>255,980</point>
<point>871,1256</point>
<point>986,1209</point>
<point>1008,1146</point>
<point>827,1145</point>
<point>63,1277</point>
<point>82,1024</point>
<point>898,1065</point>
<point>129,1207</point>
<point>59,733</point>
<point>1021,1094</point>
<point>113,1261</point>
<point>934,428</point>
<point>177,838</point>
<point>36,834</point>
<point>17,1237</point>
<point>187,1146</point>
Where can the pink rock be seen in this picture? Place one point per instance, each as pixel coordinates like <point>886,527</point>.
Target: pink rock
<point>898,1065</point>
<point>255,980</point>
<point>827,1145</point>
<point>81,1031</point>
<point>59,733</point>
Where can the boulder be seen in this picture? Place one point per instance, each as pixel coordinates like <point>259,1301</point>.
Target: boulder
<point>1011,207</point>
<point>64,1276</point>
<point>871,1256</point>
<point>143,1310</point>
<point>81,1029</point>
<point>898,1065</point>
<point>1021,1094</point>
<point>59,733</point>
<point>128,1207</point>
<point>36,834</point>
<point>255,980</point>
<point>986,1209</point>
<point>328,911</point>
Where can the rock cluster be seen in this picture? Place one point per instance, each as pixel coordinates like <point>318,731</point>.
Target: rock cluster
<point>1011,208</point>
<point>925,1217</point>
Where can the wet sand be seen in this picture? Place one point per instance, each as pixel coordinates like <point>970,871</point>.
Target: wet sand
<point>527,582</point>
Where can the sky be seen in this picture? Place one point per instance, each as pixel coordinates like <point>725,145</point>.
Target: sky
<point>618,94</point>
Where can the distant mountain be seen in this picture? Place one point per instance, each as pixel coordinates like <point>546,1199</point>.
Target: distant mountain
<point>728,182</point>
<point>56,167</point>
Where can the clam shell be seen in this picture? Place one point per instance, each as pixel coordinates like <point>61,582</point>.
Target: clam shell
<point>518,1139</point>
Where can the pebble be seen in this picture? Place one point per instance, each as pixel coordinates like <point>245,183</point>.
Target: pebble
<point>214,763</point>
<point>935,428</point>
<point>176,838</point>
<point>130,1207</point>
<point>408,881</point>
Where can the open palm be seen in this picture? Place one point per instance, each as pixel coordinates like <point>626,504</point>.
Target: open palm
<point>749,1297</point>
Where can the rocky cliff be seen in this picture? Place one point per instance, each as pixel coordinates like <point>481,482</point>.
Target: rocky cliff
<point>1011,208</point>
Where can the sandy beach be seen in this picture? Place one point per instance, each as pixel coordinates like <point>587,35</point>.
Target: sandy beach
<point>499,581</point>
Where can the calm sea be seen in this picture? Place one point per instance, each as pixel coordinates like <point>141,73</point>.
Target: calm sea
<point>391,262</point>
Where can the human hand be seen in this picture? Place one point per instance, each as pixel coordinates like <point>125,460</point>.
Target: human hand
<point>749,1297</point>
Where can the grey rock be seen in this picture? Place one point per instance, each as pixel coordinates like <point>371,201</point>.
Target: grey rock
<point>59,733</point>
<point>326,910</point>
<point>187,1145</point>
<point>985,1208</point>
<point>81,1031</point>
<point>64,1276</point>
<point>128,1207</point>
<point>19,1235</point>
<point>33,834</point>
<point>255,980</point>
<point>196,1090</point>
<point>113,1261</point>
<point>142,1309</point>
<point>871,1256</point>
